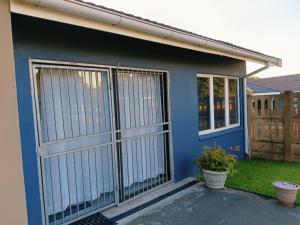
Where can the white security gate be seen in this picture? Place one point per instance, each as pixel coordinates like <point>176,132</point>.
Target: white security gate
<point>103,137</point>
<point>142,131</point>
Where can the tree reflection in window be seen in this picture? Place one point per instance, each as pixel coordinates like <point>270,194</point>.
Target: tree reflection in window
<point>233,99</point>
<point>203,103</point>
<point>219,102</point>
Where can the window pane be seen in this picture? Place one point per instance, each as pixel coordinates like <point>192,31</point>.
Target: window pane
<point>203,103</point>
<point>219,102</point>
<point>233,101</point>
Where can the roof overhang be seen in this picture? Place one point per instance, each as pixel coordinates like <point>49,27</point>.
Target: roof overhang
<point>90,16</point>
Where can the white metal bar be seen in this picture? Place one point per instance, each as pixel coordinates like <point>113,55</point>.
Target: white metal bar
<point>83,186</point>
<point>69,102</point>
<point>75,177</point>
<point>53,105</point>
<point>116,115</point>
<point>60,189</point>
<point>226,101</point>
<point>87,137</point>
<point>246,140</point>
<point>142,127</point>
<point>45,197</point>
<point>170,160</point>
<point>144,135</point>
<point>77,107</point>
<point>77,150</point>
<point>91,100</point>
<point>109,177</point>
<point>52,197</point>
<point>89,170</point>
<point>211,103</point>
<point>36,132</point>
<point>142,154</point>
<point>104,96</point>
<point>96,173</point>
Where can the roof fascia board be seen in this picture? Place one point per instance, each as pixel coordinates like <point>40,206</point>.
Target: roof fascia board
<point>126,26</point>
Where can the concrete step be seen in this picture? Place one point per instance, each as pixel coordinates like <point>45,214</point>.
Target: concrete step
<point>126,210</point>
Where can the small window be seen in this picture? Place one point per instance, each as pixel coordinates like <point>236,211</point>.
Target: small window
<point>266,105</point>
<point>259,106</point>
<point>218,102</point>
<point>295,103</point>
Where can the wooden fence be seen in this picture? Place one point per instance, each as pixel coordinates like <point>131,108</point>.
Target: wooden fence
<point>274,126</point>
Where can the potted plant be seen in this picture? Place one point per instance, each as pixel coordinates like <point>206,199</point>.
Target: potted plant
<point>215,165</point>
<point>286,192</point>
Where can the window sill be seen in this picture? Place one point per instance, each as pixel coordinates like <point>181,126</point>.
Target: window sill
<point>216,133</point>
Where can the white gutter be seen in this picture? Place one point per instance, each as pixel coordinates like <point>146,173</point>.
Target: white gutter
<point>118,19</point>
<point>266,94</point>
<point>267,66</point>
<point>247,143</point>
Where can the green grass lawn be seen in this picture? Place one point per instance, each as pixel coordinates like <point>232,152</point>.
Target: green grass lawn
<point>258,175</point>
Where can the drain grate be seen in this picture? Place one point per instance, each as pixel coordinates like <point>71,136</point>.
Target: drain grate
<point>95,219</point>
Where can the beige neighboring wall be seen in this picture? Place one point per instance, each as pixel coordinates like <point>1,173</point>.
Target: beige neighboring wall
<point>12,194</point>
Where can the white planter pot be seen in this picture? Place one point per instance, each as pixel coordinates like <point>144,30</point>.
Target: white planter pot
<point>215,180</point>
<point>286,192</point>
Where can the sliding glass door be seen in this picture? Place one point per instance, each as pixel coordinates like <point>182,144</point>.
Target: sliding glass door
<point>103,137</point>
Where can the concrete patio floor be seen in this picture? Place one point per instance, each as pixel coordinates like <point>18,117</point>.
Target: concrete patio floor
<point>198,205</point>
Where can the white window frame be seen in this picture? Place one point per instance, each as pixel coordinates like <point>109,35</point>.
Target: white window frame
<point>211,103</point>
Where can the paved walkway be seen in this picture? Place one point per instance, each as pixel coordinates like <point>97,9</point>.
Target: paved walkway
<point>198,205</point>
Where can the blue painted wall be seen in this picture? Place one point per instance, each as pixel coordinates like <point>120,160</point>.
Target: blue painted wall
<point>41,39</point>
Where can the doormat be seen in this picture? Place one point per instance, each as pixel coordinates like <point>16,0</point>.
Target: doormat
<point>95,219</point>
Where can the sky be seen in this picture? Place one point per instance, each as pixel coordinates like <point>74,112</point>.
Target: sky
<point>268,26</point>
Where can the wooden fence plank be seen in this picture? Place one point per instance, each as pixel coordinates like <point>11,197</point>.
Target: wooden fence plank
<point>274,126</point>
<point>287,118</point>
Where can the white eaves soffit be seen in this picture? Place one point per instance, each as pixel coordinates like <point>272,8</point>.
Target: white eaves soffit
<point>95,17</point>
